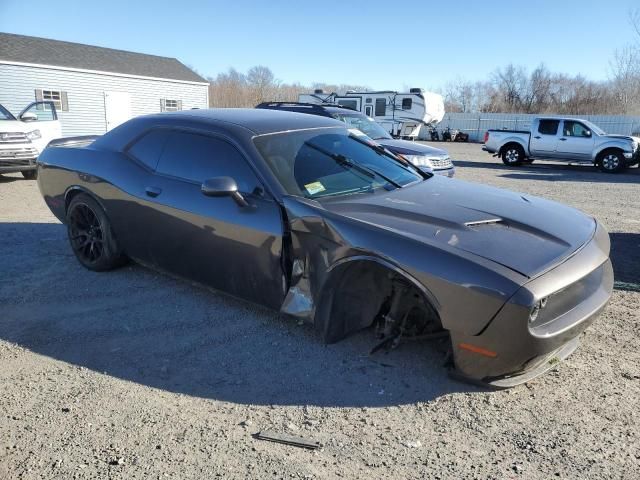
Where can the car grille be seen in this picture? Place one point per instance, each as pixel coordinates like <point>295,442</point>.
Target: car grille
<point>17,156</point>
<point>14,137</point>
<point>440,163</point>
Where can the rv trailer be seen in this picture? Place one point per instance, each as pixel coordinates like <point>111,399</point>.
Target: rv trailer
<point>401,114</point>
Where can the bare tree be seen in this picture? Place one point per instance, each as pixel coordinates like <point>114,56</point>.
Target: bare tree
<point>262,84</point>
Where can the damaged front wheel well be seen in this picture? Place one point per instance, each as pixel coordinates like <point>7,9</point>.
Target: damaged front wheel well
<point>359,292</point>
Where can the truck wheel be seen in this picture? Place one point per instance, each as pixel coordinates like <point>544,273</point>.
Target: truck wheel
<point>90,234</point>
<point>512,155</point>
<point>610,161</point>
<point>30,174</point>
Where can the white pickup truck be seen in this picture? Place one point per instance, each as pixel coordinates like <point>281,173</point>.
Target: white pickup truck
<point>569,139</point>
<point>22,139</point>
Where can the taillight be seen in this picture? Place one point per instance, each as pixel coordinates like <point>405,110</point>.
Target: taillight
<point>486,137</point>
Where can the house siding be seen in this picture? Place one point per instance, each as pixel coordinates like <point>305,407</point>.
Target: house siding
<point>85,93</point>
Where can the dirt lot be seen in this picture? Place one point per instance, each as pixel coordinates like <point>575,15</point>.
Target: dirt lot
<point>131,374</point>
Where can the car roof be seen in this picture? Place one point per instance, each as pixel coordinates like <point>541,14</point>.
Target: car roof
<point>259,121</point>
<point>310,108</point>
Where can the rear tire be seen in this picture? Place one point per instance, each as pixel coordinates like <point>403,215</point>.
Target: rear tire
<point>30,174</point>
<point>610,161</point>
<point>90,235</point>
<point>513,155</point>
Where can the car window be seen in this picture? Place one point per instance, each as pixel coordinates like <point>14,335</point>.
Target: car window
<point>406,103</point>
<point>148,148</point>
<point>5,114</point>
<point>575,129</point>
<point>196,158</point>
<point>367,126</point>
<point>548,127</point>
<point>331,162</point>
<point>381,107</point>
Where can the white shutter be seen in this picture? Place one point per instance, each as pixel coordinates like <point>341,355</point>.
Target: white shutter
<point>162,104</point>
<point>64,101</point>
<point>179,104</point>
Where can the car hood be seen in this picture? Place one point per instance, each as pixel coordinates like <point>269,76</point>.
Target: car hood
<point>404,147</point>
<point>526,234</point>
<point>14,126</point>
<point>624,137</point>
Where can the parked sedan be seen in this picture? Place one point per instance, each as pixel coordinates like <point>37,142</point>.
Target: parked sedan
<point>425,157</point>
<point>302,215</point>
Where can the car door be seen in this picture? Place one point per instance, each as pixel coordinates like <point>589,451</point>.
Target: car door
<point>214,240</point>
<point>576,141</point>
<point>544,139</point>
<point>42,116</point>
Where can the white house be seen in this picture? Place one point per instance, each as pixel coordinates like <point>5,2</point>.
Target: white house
<point>94,88</point>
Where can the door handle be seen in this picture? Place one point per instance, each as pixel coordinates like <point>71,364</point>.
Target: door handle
<point>153,191</point>
<point>563,139</point>
<point>537,137</point>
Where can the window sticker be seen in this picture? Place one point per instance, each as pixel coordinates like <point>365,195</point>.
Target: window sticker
<point>314,187</point>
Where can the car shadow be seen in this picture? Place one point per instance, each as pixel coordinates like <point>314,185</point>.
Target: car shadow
<point>5,179</point>
<point>148,328</point>
<point>557,172</point>
<point>625,256</point>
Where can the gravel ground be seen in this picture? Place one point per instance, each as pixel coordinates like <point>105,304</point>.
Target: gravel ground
<point>131,374</point>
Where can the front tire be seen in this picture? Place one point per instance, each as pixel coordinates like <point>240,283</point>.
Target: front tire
<point>513,155</point>
<point>611,161</point>
<point>30,174</point>
<point>90,235</point>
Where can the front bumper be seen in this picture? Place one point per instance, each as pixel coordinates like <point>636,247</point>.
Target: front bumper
<point>446,172</point>
<point>511,350</point>
<point>632,158</point>
<point>17,159</point>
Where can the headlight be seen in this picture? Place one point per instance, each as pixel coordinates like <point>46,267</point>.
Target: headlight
<point>419,160</point>
<point>536,309</point>
<point>34,135</point>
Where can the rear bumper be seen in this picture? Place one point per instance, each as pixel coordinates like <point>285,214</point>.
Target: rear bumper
<point>512,350</point>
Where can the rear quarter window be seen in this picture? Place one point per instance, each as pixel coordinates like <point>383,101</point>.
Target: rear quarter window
<point>148,148</point>
<point>548,127</point>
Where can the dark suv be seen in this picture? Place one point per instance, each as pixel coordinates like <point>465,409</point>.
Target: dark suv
<point>423,156</point>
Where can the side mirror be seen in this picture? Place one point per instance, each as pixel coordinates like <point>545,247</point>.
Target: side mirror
<point>587,133</point>
<point>223,187</point>
<point>28,117</point>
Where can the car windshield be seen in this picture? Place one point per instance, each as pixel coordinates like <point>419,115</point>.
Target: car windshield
<point>5,114</point>
<point>332,161</point>
<point>367,126</point>
<point>594,128</point>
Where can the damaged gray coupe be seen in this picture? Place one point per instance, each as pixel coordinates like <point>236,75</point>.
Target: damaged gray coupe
<point>297,213</point>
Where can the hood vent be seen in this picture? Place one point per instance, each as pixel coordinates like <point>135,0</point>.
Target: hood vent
<point>488,221</point>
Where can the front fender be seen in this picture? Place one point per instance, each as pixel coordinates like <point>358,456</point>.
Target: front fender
<point>466,291</point>
<point>623,145</point>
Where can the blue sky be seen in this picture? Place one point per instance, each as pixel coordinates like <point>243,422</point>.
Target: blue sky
<point>358,42</point>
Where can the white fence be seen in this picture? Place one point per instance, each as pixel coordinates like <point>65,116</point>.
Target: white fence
<point>476,124</point>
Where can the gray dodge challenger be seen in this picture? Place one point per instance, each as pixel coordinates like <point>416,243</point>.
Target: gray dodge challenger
<point>302,215</point>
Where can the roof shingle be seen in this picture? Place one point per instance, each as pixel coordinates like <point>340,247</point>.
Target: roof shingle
<point>44,51</point>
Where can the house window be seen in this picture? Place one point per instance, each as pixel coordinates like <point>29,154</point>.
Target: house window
<point>58,97</point>
<point>406,104</point>
<point>167,105</point>
<point>381,107</point>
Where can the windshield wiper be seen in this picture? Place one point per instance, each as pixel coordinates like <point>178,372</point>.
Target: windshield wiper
<point>344,161</point>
